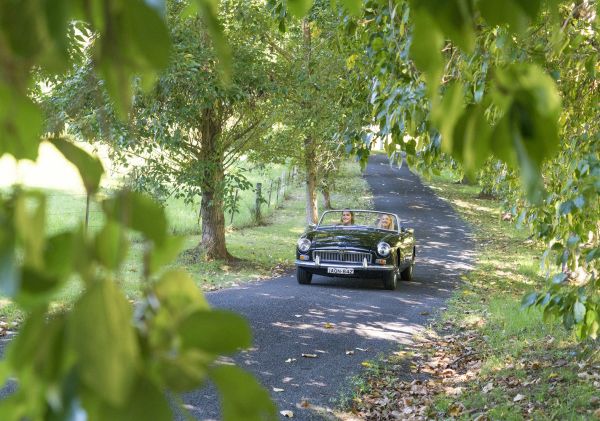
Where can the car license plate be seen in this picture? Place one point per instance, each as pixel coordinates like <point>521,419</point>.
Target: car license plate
<point>341,271</point>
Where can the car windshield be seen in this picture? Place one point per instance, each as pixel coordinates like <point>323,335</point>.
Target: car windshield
<point>359,218</point>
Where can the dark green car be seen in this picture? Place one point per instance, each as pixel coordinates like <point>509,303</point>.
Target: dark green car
<point>358,244</point>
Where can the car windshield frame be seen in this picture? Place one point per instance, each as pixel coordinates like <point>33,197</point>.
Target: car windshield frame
<point>376,216</point>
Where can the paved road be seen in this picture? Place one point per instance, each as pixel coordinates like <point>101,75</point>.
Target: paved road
<point>289,319</point>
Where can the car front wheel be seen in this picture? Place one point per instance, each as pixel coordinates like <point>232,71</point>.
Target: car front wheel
<point>390,280</point>
<point>407,274</point>
<point>304,277</point>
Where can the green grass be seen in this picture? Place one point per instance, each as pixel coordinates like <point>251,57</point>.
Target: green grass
<point>264,250</point>
<point>518,343</point>
<point>519,353</point>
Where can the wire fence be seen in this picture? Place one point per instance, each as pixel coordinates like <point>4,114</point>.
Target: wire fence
<point>67,209</point>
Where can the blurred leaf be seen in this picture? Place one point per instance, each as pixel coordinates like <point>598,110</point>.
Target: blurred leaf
<point>165,253</point>
<point>59,254</point>
<point>353,6</point>
<point>101,334</point>
<point>20,125</point>
<point>146,402</point>
<point>508,12</point>
<point>425,49</point>
<point>30,224</point>
<point>578,311</point>
<point>139,212</point>
<point>446,114</point>
<point>216,332</point>
<point>299,8</point>
<point>471,140</point>
<point>209,11</point>
<point>177,291</point>
<point>111,245</point>
<point>455,18</point>
<point>529,300</point>
<point>149,34</point>
<point>241,395</point>
<point>184,371</point>
<point>90,168</point>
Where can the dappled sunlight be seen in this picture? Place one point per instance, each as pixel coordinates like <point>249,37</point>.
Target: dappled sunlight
<point>473,207</point>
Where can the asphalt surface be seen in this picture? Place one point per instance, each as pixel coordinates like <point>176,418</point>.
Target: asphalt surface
<point>335,315</point>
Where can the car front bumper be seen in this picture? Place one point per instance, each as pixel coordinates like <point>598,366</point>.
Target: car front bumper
<point>362,271</point>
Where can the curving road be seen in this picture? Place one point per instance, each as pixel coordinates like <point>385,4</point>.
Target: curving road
<point>335,315</point>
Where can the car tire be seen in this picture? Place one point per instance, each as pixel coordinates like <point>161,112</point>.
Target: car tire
<point>390,280</point>
<point>303,276</point>
<point>407,274</point>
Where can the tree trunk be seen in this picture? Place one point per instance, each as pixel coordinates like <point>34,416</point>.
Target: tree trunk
<point>312,212</point>
<point>310,154</point>
<point>326,194</point>
<point>212,245</point>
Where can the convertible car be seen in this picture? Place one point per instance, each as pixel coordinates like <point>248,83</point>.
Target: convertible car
<point>359,244</point>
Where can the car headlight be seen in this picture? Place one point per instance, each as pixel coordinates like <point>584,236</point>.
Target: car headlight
<point>303,245</point>
<point>383,249</point>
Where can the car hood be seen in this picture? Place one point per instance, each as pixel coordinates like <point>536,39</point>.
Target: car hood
<point>348,238</point>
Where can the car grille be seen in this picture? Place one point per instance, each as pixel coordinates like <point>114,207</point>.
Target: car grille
<point>336,256</point>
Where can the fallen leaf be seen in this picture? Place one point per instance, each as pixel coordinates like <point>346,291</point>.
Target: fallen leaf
<point>287,414</point>
<point>424,313</point>
<point>597,414</point>
<point>304,404</point>
<point>488,387</point>
<point>363,349</point>
<point>298,315</point>
<point>518,398</point>
<point>310,355</point>
<point>455,410</point>
<point>366,364</point>
<point>328,326</point>
<point>276,389</point>
<point>349,352</point>
<point>290,360</point>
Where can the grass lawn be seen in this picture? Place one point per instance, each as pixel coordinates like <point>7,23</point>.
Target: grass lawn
<point>485,358</point>
<point>264,251</point>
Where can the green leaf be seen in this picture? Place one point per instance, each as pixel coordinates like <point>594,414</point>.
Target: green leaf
<point>559,278</point>
<point>241,395</point>
<point>30,224</point>
<point>446,114</point>
<point>471,140</point>
<point>146,402</point>
<point>184,371</point>
<point>216,332</point>
<point>165,253</point>
<point>111,245</point>
<point>528,131</point>
<point>592,254</point>
<point>209,11</point>
<point>101,334</point>
<point>454,17</point>
<point>353,6</point>
<point>425,49</point>
<point>178,294</point>
<point>578,311</point>
<point>149,34</point>
<point>299,8</point>
<point>529,300</point>
<point>20,124</point>
<point>507,12</point>
<point>10,276</point>
<point>90,168</point>
<point>59,254</point>
<point>138,212</point>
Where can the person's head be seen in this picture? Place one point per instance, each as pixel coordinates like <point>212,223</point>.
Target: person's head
<point>386,222</point>
<point>347,217</point>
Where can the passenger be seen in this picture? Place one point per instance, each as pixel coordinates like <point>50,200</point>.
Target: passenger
<point>385,222</point>
<point>347,217</point>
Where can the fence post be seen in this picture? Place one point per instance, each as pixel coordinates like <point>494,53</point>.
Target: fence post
<point>278,187</point>
<point>283,185</point>
<point>87,212</point>
<point>233,206</point>
<point>258,200</point>
<point>270,191</point>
